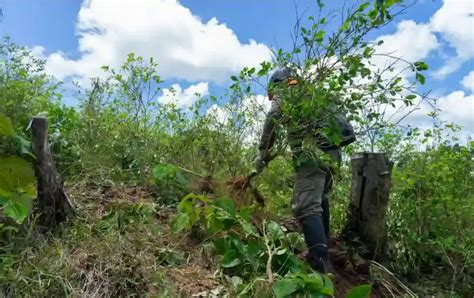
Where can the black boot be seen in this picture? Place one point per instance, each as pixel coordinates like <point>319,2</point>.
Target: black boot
<point>315,236</point>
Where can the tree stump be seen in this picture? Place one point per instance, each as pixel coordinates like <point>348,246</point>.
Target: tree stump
<point>366,226</point>
<point>52,204</point>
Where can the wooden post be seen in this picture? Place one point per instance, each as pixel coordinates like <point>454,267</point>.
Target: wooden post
<point>53,203</point>
<point>370,190</point>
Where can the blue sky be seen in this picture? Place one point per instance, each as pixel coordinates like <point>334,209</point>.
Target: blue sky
<point>199,44</point>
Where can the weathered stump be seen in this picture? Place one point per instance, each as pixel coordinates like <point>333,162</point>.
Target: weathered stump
<point>52,204</point>
<point>366,226</point>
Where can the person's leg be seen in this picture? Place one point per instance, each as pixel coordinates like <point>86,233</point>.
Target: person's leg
<point>326,215</point>
<point>307,207</point>
<point>335,156</point>
<point>325,201</point>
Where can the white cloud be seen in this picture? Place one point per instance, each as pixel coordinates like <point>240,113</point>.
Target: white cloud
<point>468,82</point>
<point>184,98</point>
<point>455,22</point>
<point>400,45</point>
<point>411,41</point>
<point>253,108</point>
<point>457,107</point>
<point>184,46</point>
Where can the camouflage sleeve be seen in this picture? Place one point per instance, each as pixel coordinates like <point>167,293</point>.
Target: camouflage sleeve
<point>272,120</point>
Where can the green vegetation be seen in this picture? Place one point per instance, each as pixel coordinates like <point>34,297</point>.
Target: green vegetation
<point>161,210</point>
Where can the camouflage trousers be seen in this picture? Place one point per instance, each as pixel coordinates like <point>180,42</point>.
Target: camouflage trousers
<point>312,187</point>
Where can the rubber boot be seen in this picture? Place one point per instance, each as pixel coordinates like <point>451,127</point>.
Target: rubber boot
<point>315,236</point>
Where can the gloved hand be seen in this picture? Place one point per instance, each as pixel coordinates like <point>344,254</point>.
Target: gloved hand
<point>261,162</point>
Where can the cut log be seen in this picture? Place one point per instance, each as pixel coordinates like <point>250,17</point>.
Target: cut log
<point>52,205</point>
<point>366,225</point>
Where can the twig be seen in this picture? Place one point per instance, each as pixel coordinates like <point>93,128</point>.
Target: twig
<point>270,255</point>
<point>402,285</point>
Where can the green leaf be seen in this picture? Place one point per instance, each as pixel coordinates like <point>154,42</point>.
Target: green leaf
<point>16,211</point>
<point>231,259</point>
<point>234,78</point>
<point>362,291</point>
<point>328,288</point>
<point>285,287</point>
<point>313,281</point>
<point>24,146</point>
<point>420,66</point>
<point>6,128</point>
<point>319,36</point>
<point>346,25</point>
<point>420,78</point>
<point>410,97</point>
<point>372,14</point>
<point>227,205</point>
<point>275,231</point>
<point>17,176</point>
<point>180,222</point>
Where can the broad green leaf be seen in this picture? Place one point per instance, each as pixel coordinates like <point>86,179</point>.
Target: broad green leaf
<point>244,213</point>
<point>180,222</point>
<point>227,205</point>
<point>420,66</point>
<point>221,245</point>
<point>420,78</point>
<point>248,228</point>
<point>275,231</point>
<point>24,146</point>
<point>319,36</point>
<point>313,281</point>
<point>328,288</point>
<point>254,249</point>
<point>16,211</point>
<point>231,259</point>
<point>16,176</point>
<point>285,287</point>
<point>295,241</point>
<point>6,128</point>
<point>362,291</point>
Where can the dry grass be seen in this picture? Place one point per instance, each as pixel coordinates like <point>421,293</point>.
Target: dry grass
<point>120,245</point>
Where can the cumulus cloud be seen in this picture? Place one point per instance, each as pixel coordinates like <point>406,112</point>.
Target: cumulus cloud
<point>468,82</point>
<point>455,22</point>
<point>457,107</point>
<point>184,46</point>
<point>184,98</point>
<point>253,108</point>
<point>411,41</point>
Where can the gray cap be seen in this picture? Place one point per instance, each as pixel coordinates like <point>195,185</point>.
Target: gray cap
<point>280,75</point>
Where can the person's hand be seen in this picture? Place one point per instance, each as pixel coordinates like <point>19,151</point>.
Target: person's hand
<point>260,164</point>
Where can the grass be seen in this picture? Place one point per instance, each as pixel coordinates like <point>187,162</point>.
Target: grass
<point>118,248</point>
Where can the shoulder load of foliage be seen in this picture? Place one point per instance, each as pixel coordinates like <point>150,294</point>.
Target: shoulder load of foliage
<point>161,210</point>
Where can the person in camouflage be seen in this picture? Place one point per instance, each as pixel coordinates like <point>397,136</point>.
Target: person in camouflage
<point>313,174</point>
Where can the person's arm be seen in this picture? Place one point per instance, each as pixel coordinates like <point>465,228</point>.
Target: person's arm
<point>270,126</point>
